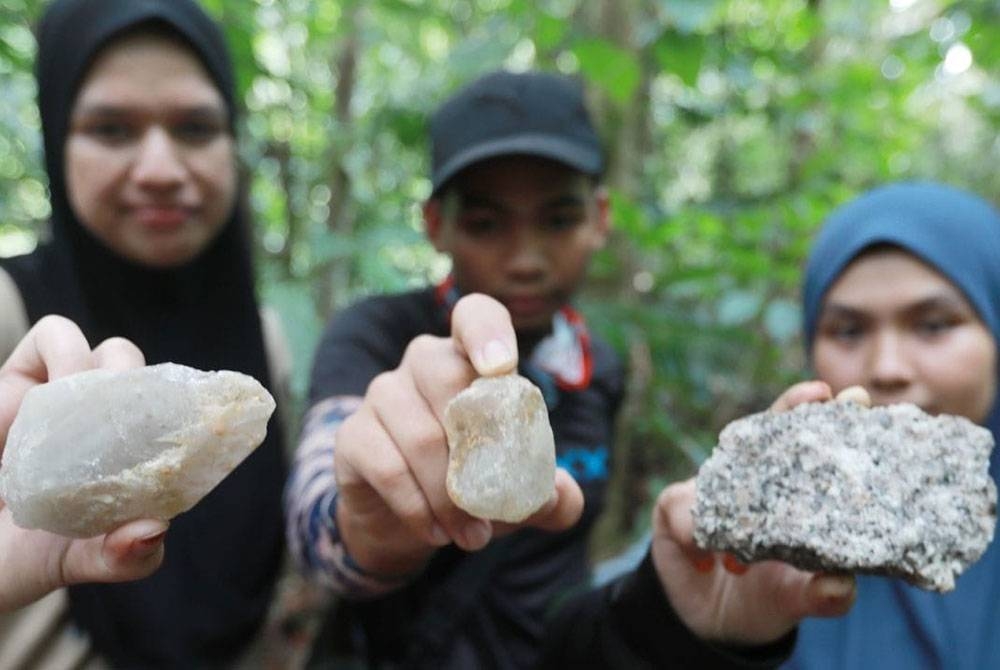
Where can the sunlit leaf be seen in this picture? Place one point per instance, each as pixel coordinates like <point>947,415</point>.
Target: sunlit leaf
<point>681,54</point>
<point>549,31</point>
<point>613,69</point>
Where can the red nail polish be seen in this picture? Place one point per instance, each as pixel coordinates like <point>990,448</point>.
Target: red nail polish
<point>704,565</point>
<point>733,565</point>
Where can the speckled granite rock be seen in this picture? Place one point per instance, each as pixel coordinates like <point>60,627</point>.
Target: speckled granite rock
<point>91,451</point>
<point>840,487</point>
<point>502,455</point>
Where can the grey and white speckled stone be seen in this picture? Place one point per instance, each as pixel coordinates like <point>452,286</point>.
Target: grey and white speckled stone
<point>837,486</point>
<point>92,451</point>
<point>502,456</point>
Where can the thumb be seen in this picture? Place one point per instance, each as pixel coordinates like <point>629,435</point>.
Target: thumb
<point>481,328</point>
<point>817,595</point>
<point>130,552</point>
<point>565,508</point>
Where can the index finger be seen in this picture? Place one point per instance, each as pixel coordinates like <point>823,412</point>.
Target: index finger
<point>803,392</point>
<point>482,330</point>
<point>672,518</point>
<point>53,348</point>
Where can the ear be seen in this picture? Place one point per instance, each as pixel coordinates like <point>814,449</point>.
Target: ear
<point>603,228</point>
<point>434,222</point>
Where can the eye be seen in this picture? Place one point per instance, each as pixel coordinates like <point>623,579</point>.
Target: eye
<point>196,132</point>
<point>564,220</point>
<point>561,223</point>
<point>480,226</point>
<point>846,332</point>
<point>934,325</point>
<point>111,132</point>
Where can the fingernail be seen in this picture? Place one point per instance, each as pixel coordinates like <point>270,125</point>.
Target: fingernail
<point>152,540</point>
<point>495,356</point>
<point>477,534</point>
<point>149,529</point>
<point>734,566</point>
<point>855,394</point>
<point>704,565</point>
<point>836,587</point>
<point>149,545</point>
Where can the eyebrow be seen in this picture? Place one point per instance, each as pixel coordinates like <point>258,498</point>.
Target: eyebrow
<point>470,201</point>
<point>207,111</point>
<point>939,301</point>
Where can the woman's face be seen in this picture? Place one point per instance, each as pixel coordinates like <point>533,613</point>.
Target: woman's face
<point>896,326</point>
<point>150,164</point>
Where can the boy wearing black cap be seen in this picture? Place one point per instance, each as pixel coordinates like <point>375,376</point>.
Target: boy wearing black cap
<point>517,206</point>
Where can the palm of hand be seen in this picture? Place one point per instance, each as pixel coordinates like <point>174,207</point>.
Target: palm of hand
<point>732,603</point>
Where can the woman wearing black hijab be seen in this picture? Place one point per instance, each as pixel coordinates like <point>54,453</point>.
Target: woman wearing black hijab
<point>149,242</point>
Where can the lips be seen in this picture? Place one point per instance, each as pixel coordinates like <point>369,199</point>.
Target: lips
<point>527,305</point>
<point>162,218</point>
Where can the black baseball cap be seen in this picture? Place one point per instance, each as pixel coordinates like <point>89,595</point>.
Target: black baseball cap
<point>504,113</point>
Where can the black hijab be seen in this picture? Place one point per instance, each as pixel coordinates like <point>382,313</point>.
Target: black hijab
<point>222,558</point>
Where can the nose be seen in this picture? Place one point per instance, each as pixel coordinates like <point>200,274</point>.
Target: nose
<point>890,370</point>
<point>158,163</point>
<point>529,252</point>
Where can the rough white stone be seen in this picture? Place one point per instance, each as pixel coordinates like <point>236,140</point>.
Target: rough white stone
<point>501,462</point>
<point>91,451</point>
<point>836,486</point>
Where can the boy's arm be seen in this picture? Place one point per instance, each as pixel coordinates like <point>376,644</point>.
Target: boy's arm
<point>314,539</point>
<point>310,502</point>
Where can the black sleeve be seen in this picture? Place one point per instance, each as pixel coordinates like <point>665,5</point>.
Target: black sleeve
<point>365,340</point>
<point>629,624</point>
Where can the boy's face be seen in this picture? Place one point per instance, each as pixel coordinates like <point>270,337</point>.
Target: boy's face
<point>520,229</point>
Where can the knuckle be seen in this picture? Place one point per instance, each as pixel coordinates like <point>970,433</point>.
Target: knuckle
<point>391,476</point>
<point>53,320</point>
<point>422,347</point>
<point>382,385</point>
<point>427,438</point>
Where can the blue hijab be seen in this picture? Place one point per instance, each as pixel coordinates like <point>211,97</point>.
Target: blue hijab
<point>894,625</point>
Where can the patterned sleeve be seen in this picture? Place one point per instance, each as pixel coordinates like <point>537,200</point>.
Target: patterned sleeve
<point>311,503</point>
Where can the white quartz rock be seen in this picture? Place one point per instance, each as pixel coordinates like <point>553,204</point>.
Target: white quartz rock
<point>501,462</point>
<point>92,451</point>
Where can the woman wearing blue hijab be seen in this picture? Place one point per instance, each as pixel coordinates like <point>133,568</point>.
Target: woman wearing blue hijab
<point>902,296</point>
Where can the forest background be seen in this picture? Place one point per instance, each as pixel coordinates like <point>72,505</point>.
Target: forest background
<point>733,127</point>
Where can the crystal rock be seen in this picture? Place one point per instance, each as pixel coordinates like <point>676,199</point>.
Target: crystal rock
<point>502,456</point>
<point>91,451</point>
<point>836,486</point>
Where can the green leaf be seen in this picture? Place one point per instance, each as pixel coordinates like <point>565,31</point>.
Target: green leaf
<point>549,31</point>
<point>613,69</point>
<point>681,55</point>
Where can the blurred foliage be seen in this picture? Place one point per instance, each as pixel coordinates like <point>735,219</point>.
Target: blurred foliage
<point>733,127</point>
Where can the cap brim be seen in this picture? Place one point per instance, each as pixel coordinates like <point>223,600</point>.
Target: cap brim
<point>587,161</point>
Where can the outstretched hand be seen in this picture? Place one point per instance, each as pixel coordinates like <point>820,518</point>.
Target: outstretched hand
<point>34,562</point>
<point>719,598</point>
<point>391,460</point>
